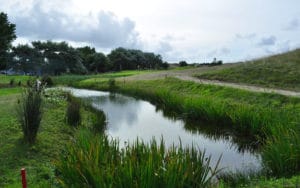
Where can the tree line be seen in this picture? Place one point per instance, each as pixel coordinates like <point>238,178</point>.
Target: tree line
<point>54,58</point>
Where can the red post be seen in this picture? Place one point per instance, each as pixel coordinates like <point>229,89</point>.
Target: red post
<point>23,174</point>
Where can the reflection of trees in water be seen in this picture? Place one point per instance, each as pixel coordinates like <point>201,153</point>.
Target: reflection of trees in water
<point>241,143</point>
<point>118,109</point>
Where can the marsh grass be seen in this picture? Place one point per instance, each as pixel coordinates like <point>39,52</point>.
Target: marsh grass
<point>29,112</point>
<point>97,161</point>
<point>73,116</point>
<point>281,153</point>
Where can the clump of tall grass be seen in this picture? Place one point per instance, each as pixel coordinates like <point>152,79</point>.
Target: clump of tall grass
<point>30,112</point>
<point>97,161</point>
<point>281,153</point>
<point>73,115</point>
<point>96,118</point>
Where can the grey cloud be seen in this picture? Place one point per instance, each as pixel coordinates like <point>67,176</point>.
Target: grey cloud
<point>293,25</point>
<point>164,47</point>
<point>267,41</point>
<point>104,30</point>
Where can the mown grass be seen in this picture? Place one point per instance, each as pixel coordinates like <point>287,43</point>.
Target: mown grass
<point>280,71</point>
<point>97,161</point>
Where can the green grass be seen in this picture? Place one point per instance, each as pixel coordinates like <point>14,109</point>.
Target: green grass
<point>71,79</point>
<point>280,71</point>
<point>249,114</point>
<point>96,161</point>
<point>5,80</point>
<point>37,158</point>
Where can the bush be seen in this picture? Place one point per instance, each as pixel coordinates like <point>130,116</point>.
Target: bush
<point>183,63</point>
<point>30,113</point>
<point>12,82</point>
<point>47,80</point>
<point>97,120</point>
<point>112,84</point>
<point>73,116</point>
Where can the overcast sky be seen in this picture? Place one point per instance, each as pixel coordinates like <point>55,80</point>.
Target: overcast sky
<point>192,30</point>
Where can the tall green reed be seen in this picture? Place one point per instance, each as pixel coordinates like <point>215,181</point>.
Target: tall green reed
<point>97,161</point>
<point>29,112</point>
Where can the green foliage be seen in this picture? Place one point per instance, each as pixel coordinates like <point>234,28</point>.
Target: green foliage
<point>30,113</point>
<point>73,115</point>
<point>47,80</point>
<point>12,82</point>
<point>281,153</point>
<point>96,161</point>
<point>250,114</point>
<point>129,59</point>
<point>183,64</point>
<point>37,159</point>
<point>7,35</point>
<point>280,71</point>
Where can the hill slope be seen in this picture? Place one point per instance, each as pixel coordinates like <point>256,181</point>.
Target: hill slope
<point>279,71</point>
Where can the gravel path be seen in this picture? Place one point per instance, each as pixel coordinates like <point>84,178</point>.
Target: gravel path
<point>187,75</point>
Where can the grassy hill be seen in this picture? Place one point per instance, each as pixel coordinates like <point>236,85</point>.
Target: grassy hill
<point>279,71</point>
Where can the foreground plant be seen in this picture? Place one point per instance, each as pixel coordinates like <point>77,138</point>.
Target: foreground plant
<point>97,161</point>
<point>30,112</point>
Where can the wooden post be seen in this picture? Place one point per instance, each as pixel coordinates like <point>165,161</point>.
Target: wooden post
<point>23,174</point>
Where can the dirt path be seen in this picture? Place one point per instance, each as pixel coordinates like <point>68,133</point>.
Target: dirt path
<point>187,75</point>
<point>240,86</point>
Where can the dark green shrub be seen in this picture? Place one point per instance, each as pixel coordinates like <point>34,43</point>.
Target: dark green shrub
<point>12,82</point>
<point>112,84</point>
<point>47,80</point>
<point>97,120</point>
<point>73,116</point>
<point>30,113</point>
<point>19,83</point>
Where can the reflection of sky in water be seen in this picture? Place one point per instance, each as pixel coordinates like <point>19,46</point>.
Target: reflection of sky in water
<point>129,118</point>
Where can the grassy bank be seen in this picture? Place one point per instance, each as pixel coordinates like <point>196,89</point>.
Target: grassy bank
<point>279,71</point>
<point>38,158</point>
<point>249,114</point>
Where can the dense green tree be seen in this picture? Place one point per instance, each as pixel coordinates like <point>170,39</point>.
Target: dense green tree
<point>183,63</point>
<point>47,57</point>
<point>7,35</point>
<point>129,59</point>
<point>98,62</point>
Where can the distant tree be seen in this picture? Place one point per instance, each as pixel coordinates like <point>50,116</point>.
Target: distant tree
<point>7,35</point>
<point>47,58</point>
<point>183,63</point>
<point>165,65</point>
<point>85,54</point>
<point>97,62</point>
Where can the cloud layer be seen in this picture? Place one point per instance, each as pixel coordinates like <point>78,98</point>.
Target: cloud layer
<point>104,30</point>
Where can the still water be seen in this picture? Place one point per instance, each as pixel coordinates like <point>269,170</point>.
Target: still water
<point>130,118</point>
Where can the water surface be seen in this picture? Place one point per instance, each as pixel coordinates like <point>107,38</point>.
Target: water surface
<point>130,118</point>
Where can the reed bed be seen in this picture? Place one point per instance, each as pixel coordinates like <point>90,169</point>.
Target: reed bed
<point>98,161</point>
